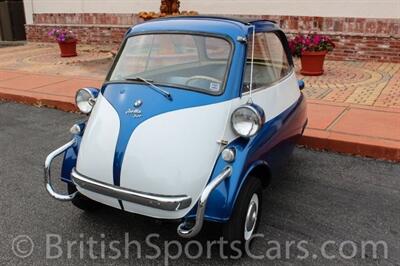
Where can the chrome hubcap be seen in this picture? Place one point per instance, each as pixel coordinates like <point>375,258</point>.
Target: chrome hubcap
<point>251,217</point>
<point>251,220</point>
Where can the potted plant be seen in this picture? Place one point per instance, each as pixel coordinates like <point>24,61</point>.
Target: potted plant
<point>66,40</point>
<point>312,49</point>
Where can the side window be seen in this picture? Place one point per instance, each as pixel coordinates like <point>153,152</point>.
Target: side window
<point>278,55</point>
<point>270,61</point>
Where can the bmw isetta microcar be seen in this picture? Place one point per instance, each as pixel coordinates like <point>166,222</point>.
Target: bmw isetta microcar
<point>195,116</point>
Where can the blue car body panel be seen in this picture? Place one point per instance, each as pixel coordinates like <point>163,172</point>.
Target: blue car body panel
<point>69,161</point>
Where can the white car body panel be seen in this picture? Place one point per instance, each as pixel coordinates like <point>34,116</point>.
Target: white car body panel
<point>174,154</point>
<point>96,152</point>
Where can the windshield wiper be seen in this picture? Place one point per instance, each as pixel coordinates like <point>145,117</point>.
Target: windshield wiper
<point>165,93</point>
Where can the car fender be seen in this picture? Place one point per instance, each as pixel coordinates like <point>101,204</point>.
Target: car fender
<point>70,156</point>
<point>267,149</point>
<point>222,200</point>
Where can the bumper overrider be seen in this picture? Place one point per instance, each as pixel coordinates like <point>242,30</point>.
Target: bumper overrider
<point>162,202</point>
<point>47,172</point>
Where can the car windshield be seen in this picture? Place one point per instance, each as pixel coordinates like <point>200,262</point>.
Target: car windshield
<point>187,61</point>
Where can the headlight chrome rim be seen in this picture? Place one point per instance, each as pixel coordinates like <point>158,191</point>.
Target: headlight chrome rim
<point>257,111</point>
<point>90,101</point>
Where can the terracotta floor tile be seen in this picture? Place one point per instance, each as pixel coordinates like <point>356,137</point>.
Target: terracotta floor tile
<point>28,82</point>
<point>321,116</point>
<point>9,75</point>
<point>317,101</point>
<point>370,123</point>
<point>68,87</point>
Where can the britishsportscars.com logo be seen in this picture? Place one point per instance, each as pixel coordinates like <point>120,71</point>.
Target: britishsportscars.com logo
<point>154,248</point>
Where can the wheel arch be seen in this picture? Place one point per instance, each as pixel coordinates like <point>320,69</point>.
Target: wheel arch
<point>261,170</point>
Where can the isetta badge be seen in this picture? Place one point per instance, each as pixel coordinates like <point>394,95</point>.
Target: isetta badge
<point>135,112</point>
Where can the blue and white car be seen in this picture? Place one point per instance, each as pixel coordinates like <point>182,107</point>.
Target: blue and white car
<point>193,119</point>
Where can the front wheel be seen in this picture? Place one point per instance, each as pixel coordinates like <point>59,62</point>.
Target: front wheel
<point>245,218</point>
<point>82,202</point>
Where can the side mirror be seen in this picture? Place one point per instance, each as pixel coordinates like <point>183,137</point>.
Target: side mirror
<point>301,84</point>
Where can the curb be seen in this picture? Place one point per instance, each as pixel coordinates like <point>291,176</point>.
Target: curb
<point>349,144</point>
<point>40,102</point>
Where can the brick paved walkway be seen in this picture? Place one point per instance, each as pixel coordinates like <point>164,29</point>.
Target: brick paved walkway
<point>93,61</point>
<point>353,108</point>
<point>362,83</point>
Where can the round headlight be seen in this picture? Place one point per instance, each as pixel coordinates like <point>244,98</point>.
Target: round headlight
<point>85,99</point>
<point>247,120</point>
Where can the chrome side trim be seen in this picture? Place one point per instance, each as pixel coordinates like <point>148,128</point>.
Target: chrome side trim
<point>47,172</point>
<point>162,202</point>
<point>185,232</point>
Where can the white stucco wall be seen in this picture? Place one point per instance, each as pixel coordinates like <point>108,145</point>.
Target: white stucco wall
<point>325,8</point>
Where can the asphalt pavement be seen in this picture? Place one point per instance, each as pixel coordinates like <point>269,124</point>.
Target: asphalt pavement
<point>325,209</point>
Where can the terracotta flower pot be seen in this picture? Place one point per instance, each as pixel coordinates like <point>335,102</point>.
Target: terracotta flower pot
<point>68,49</point>
<point>312,63</point>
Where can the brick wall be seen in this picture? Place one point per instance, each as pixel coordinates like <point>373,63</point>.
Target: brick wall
<point>355,38</point>
<point>88,34</point>
<point>87,19</point>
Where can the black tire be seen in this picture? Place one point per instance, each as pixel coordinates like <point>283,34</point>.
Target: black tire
<point>82,202</point>
<point>234,229</point>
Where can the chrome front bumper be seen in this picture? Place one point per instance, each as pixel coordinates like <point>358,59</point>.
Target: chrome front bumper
<point>162,202</point>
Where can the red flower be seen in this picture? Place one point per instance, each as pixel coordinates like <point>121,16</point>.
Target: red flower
<point>310,42</point>
<point>317,39</point>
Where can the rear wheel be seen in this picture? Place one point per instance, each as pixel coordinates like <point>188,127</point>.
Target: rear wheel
<point>245,218</point>
<point>82,202</point>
